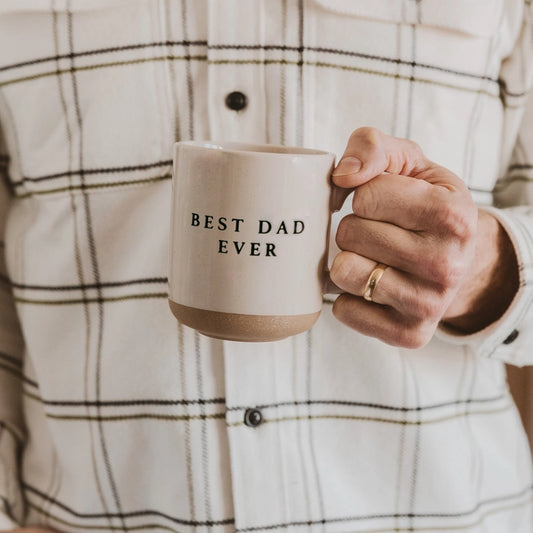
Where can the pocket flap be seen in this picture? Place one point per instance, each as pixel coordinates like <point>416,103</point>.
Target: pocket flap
<point>14,6</point>
<point>474,17</point>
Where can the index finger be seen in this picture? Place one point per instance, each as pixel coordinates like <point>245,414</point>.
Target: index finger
<point>407,202</point>
<point>370,153</point>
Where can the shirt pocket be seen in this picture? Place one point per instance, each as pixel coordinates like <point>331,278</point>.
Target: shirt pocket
<point>479,18</point>
<point>83,96</point>
<point>422,70</point>
<point>14,6</point>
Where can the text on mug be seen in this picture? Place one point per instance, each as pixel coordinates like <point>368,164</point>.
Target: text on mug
<point>210,222</point>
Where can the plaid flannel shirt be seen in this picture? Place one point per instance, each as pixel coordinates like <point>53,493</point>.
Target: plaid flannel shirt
<point>115,417</point>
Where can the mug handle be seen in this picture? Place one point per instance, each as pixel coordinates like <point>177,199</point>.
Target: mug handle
<point>337,199</point>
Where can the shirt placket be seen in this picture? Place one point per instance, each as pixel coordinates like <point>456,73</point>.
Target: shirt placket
<point>237,112</point>
<point>236,71</point>
<point>269,455</point>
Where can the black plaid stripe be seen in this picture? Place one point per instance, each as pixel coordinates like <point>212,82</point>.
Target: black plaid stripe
<point>97,300</point>
<point>300,82</point>
<point>458,80</point>
<point>283,76</point>
<point>137,402</point>
<point>188,446</point>
<point>98,186</point>
<point>501,504</point>
<point>188,59</point>
<point>455,407</point>
<point>413,416</point>
<point>311,430</point>
<point>102,51</point>
<point>411,89</point>
<point>415,431</point>
<point>169,36</point>
<point>415,424</point>
<point>400,481</point>
<point>93,171</point>
<point>395,96</point>
<point>303,442</point>
<point>378,406</point>
<point>133,516</point>
<point>66,183</point>
<point>415,451</point>
<point>93,259</point>
<point>78,253</point>
<point>473,127</point>
<point>87,286</point>
<point>204,438</point>
<point>53,490</point>
<point>69,180</point>
<point>300,49</point>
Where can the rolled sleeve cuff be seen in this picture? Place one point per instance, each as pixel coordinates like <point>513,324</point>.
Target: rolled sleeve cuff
<point>510,338</point>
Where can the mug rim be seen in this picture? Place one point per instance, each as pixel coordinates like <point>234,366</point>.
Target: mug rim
<point>242,148</point>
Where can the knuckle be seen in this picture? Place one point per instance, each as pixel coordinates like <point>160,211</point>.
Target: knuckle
<point>445,270</point>
<point>456,221</point>
<point>342,268</point>
<point>415,336</point>
<point>427,307</point>
<point>366,200</point>
<point>403,336</point>
<point>370,140</point>
<point>343,231</point>
<point>413,147</point>
<point>370,135</point>
<point>434,308</point>
<point>339,308</point>
<point>415,159</point>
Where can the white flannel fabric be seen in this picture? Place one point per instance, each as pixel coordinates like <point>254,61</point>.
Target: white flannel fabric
<point>115,417</point>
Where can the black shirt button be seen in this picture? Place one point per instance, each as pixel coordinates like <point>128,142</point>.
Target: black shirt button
<point>511,338</point>
<point>253,417</point>
<point>236,101</point>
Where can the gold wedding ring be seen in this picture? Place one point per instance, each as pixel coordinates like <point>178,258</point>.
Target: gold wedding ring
<point>373,281</point>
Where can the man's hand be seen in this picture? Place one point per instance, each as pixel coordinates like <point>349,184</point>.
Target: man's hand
<point>446,260</point>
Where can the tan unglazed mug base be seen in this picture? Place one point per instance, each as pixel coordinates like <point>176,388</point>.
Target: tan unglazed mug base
<point>245,328</point>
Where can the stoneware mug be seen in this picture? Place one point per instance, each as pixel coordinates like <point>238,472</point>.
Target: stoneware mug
<point>249,238</point>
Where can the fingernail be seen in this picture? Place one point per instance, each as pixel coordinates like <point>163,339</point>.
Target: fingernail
<point>348,165</point>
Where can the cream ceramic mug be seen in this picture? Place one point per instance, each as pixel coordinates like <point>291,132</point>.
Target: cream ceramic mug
<point>249,238</point>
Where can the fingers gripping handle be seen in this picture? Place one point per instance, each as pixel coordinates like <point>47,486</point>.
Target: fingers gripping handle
<point>337,199</point>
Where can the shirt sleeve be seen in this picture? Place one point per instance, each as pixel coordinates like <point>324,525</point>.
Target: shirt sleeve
<point>11,350</point>
<point>510,339</point>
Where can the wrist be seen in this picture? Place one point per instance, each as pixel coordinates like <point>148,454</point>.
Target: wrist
<point>491,283</point>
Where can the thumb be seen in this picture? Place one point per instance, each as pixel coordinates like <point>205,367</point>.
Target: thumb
<point>370,152</point>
